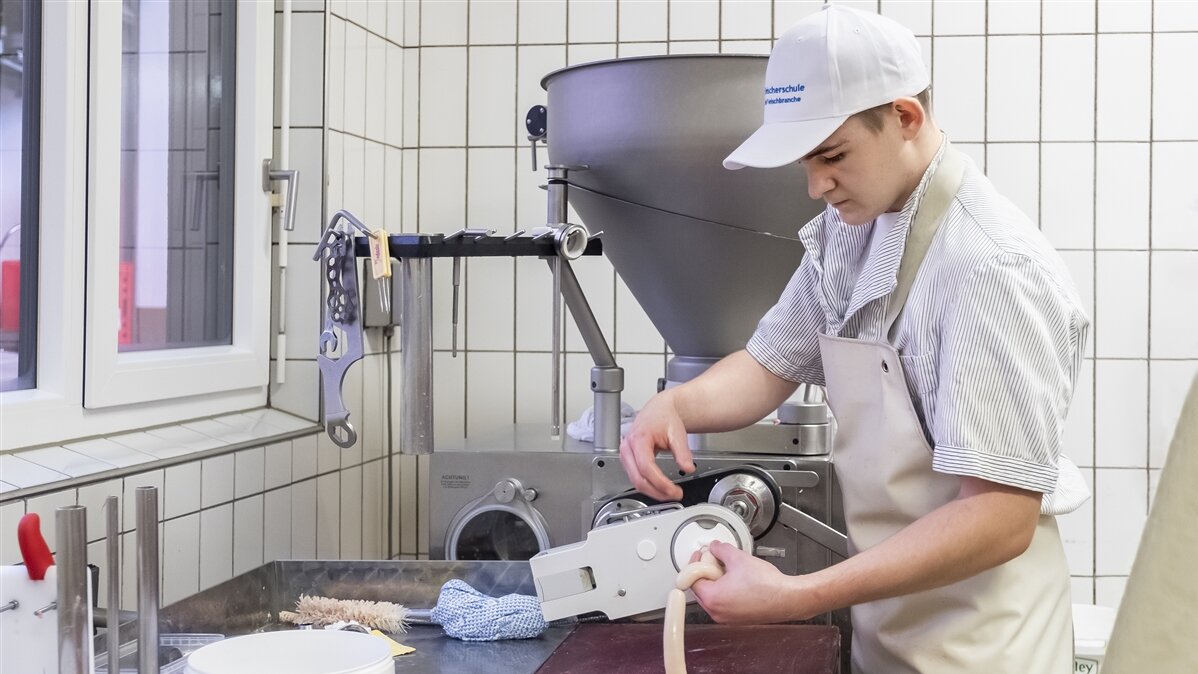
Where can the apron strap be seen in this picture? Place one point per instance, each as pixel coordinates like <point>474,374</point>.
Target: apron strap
<point>932,207</point>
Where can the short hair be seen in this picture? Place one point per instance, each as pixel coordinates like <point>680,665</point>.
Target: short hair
<point>872,117</point>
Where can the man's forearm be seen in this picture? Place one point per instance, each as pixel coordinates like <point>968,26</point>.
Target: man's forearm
<point>956,541</point>
<point>733,393</point>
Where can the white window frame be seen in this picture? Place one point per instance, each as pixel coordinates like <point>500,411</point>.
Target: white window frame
<point>108,392</point>
<point>114,378</point>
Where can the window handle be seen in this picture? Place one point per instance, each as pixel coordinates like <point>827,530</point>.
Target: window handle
<point>289,176</point>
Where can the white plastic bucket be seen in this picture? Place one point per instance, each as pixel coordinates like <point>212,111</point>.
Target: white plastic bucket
<point>1092,627</point>
<point>295,652</point>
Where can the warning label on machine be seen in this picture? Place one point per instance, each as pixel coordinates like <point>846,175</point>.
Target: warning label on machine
<point>455,481</point>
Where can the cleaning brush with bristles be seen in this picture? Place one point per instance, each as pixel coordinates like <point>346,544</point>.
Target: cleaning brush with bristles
<point>380,615</point>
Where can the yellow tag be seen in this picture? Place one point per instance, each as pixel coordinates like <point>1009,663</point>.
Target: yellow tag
<point>397,649</point>
<point>380,255</point>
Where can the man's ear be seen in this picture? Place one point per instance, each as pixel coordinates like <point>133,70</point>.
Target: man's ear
<point>911,116</point>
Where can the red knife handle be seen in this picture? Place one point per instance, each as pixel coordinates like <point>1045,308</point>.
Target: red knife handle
<point>34,550</point>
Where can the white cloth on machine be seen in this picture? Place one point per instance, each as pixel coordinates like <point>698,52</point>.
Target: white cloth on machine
<point>584,429</point>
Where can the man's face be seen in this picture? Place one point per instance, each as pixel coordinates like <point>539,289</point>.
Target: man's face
<point>858,171</point>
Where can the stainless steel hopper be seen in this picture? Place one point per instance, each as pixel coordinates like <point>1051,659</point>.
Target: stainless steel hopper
<point>706,251</point>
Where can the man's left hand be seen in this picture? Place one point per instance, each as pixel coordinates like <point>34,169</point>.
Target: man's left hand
<point>751,590</point>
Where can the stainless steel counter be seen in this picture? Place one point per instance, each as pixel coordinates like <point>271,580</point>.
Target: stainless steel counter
<point>251,603</point>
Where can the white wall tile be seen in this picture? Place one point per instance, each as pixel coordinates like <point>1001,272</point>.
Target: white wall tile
<point>1154,481</point>
<point>21,473</point>
<point>374,510</point>
<point>1121,189</point>
<point>643,21</point>
<point>916,15</point>
<point>1171,381</point>
<point>93,497</point>
<point>1121,414</point>
<point>1173,105</point>
<point>1175,16</point>
<point>530,198</point>
<point>959,17</point>
<point>411,191</point>
<point>490,304</point>
<point>411,23</point>
<point>541,22</point>
<point>216,480</point>
<point>352,395</point>
<point>1174,199</point>
<point>374,401</point>
<point>1012,88</point>
<point>393,109</point>
<point>107,451</point>
<point>442,175</point>
<point>492,101</point>
<point>374,186</point>
<point>376,88</point>
<point>335,98</point>
<point>490,198</point>
<point>307,68</point>
<point>1077,534</point>
<point>303,520</point>
<point>449,396</point>
<point>1020,17</point>
<point>353,192</point>
<point>634,331</point>
<point>328,455</point>
<point>1123,88</point>
<point>1078,439</point>
<point>493,22</point>
<point>276,534</point>
<point>489,395</point>
<point>1068,88</point>
<point>337,8</point>
<point>376,16</point>
<point>597,280</point>
<point>789,12</point>
<point>533,305</point>
<point>1124,15</point>
<point>1014,168</point>
<point>641,372</point>
<point>152,478</point>
<point>180,558</point>
<point>46,506</point>
<point>745,20</point>
<point>278,464</point>
<point>1069,16</point>
<point>695,47</point>
<point>630,49</point>
<point>300,395</point>
<point>1121,320</point>
<point>10,515</point>
<point>303,457</point>
<point>1067,215</point>
<point>533,390</point>
<point>443,96</point>
<point>247,534</point>
<point>411,97</point>
<point>358,11</point>
<point>1081,269</point>
<point>443,22</point>
<point>393,199</point>
<point>355,79</point>
<point>694,19</point>
<point>1173,330</point>
<point>351,513</point>
<point>957,79</point>
<point>249,475</point>
<point>303,312</point>
<point>1082,589</point>
<point>307,156</point>
<point>591,21</point>
<point>1108,590</point>
<point>588,53</point>
<point>1120,501</point>
<point>181,494</point>
<point>63,460</point>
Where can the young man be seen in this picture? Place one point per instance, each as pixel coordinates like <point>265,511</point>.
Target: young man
<point>949,337</point>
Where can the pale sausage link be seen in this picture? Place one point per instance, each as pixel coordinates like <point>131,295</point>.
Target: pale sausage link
<point>674,650</point>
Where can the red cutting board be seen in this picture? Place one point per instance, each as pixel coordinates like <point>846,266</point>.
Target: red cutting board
<point>710,649</point>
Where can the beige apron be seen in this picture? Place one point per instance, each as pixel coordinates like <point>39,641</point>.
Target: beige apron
<point>1013,618</point>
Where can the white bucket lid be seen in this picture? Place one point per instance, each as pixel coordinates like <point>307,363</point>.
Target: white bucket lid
<point>295,652</point>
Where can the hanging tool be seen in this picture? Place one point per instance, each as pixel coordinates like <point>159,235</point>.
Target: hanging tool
<point>33,546</point>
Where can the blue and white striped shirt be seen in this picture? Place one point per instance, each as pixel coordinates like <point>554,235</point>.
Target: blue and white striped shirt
<point>991,338</point>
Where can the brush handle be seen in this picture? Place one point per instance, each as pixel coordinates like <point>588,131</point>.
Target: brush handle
<point>419,616</point>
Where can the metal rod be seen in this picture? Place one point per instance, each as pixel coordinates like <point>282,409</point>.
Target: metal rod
<point>556,365</point>
<point>112,534</point>
<point>416,350</point>
<point>147,580</point>
<point>74,633</point>
<point>571,291</point>
<point>457,281</point>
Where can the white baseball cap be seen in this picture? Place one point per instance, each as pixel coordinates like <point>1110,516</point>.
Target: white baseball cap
<point>824,69</point>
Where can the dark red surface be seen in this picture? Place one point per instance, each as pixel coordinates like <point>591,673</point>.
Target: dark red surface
<point>34,550</point>
<point>710,649</point>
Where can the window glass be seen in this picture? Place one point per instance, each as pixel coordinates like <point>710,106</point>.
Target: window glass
<point>175,284</point>
<point>20,97</point>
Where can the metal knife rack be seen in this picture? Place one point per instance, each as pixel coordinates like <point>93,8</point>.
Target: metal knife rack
<point>557,243</point>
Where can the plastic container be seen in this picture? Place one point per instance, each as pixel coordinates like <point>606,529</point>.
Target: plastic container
<point>295,652</point>
<point>1092,627</point>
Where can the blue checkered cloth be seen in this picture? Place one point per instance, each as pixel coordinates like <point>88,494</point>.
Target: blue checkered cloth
<point>467,614</point>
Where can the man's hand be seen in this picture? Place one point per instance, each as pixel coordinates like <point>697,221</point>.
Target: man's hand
<point>657,427</point>
<point>751,590</point>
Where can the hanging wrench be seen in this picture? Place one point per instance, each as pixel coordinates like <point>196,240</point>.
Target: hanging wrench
<point>341,312</point>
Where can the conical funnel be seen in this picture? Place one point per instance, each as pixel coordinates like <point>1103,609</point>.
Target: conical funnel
<point>706,251</point>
